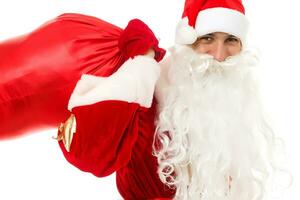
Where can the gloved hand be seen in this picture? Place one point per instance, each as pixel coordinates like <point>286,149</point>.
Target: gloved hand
<point>137,38</point>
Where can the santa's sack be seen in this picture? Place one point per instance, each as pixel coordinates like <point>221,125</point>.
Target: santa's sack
<point>39,70</point>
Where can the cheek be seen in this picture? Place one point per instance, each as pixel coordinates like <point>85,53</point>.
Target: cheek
<point>234,50</point>
<point>202,48</point>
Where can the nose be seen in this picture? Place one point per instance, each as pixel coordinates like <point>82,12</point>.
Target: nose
<point>219,51</point>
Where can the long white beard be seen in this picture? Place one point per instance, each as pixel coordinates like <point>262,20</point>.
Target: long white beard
<point>212,126</point>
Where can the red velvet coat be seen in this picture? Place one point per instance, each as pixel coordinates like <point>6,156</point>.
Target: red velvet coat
<point>117,136</point>
<point>115,128</point>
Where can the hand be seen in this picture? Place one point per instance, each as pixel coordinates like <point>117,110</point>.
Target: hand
<point>137,38</point>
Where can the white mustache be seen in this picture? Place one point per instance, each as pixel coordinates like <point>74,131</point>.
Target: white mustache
<point>190,65</point>
<point>206,63</point>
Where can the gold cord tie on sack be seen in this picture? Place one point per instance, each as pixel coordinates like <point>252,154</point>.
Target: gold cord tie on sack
<point>66,131</point>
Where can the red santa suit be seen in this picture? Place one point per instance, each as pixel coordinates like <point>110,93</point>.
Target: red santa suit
<point>111,128</point>
<point>114,118</point>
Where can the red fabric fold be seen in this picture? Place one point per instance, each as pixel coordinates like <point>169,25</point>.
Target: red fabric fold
<point>39,70</point>
<point>116,136</point>
<point>103,140</point>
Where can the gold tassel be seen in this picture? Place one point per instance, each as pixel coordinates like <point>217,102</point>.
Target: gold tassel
<point>66,131</point>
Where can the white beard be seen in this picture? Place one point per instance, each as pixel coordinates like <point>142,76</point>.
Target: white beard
<point>212,126</point>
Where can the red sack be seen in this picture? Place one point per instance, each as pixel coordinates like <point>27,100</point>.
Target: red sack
<point>39,70</point>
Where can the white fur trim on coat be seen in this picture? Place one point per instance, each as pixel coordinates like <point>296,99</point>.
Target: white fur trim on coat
<point>133,82</point>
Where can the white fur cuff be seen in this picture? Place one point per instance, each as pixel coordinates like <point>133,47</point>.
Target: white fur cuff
<point>134,82</point>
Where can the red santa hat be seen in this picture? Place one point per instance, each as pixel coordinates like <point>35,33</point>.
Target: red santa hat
<point>202,17</point>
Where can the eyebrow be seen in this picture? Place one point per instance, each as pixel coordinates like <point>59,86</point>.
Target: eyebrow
<point>213,35</point>
<point>209,34</point>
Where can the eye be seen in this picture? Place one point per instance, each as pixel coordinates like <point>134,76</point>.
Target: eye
<point>206,39</point>
<point>232,39</point>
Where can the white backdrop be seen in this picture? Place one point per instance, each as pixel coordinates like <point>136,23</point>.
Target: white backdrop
<point>33,167</point>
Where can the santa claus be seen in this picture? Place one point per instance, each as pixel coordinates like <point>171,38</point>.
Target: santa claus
<point>206,122</point>
<point>190,127</point>
<point>213,140</point>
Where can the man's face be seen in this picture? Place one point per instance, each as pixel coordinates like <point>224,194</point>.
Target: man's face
<point>218,44</point>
